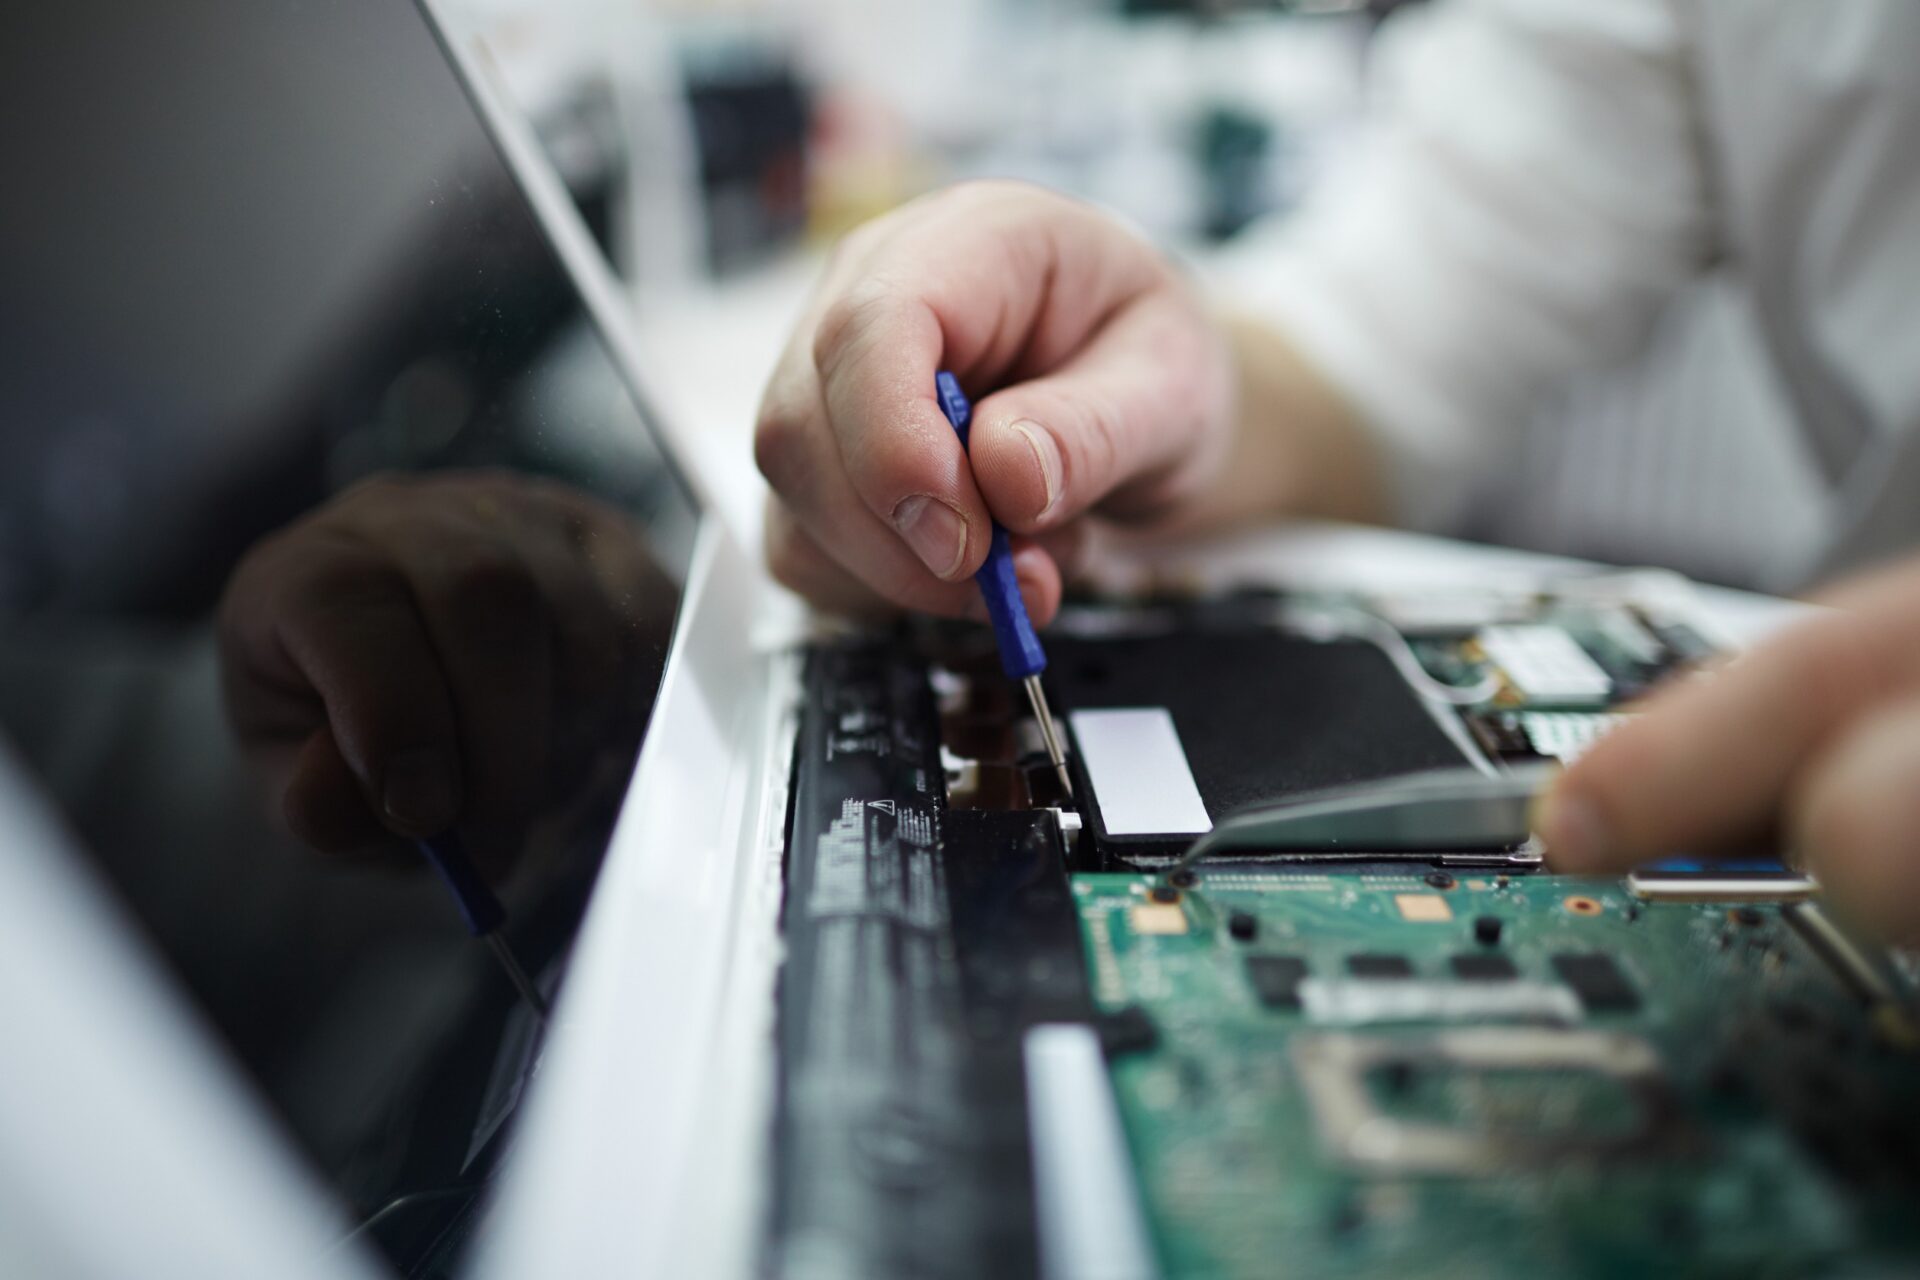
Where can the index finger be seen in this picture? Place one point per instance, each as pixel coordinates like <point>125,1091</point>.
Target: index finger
<point>877,351</point>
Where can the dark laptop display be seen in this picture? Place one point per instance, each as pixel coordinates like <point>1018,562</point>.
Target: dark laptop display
<point>324,511</point>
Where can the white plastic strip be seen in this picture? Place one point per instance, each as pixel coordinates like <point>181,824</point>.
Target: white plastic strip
<point>1359,1001</point>
<point>1091,1224</point>
<point>1139,771</point>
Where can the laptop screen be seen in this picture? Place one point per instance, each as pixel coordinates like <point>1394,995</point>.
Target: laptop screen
<point>326,524</point>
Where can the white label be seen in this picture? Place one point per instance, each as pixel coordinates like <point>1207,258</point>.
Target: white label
<point>1139,772</point>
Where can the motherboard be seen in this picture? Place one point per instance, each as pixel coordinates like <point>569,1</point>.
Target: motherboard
<point>1390,1075</point>
<point>1336,1062</point>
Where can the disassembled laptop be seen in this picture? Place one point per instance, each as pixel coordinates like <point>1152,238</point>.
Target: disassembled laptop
<point>1285,986</point>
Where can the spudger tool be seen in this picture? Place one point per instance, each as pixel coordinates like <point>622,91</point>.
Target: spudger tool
<point>1439,809</point>
<point>482,912</point>
<point>1021,656</point>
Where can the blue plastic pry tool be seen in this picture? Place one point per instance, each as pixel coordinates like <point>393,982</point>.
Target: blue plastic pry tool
<point>481,910</point>
<point>1020,653</point>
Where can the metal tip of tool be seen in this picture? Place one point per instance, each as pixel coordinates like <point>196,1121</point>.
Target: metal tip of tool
<point>510,963</point>
<point>1049,733</point>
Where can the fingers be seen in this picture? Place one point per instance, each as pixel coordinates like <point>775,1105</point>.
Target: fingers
<point>818,497</point>
<point>322,800</point>
<point>486,617</point>
<point>406,648</point>
<point>800,564</point>
<point>341,621</point>
<point>1710,761</point>
<point>1116,427</point>
<point>877,353</point>
<point>804,567</point>
<point>1853,818</point>
<point>1098,343</point>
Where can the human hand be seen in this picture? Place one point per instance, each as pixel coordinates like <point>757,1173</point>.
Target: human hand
<point>1101,385</point>
<point>448,652</point>
<point>1811,739</point>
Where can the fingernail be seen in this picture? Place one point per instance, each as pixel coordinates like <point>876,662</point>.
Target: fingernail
<point>936,532</point>
<point>420,792</point>
<point>1047,456</point>
<point>1574,831</point>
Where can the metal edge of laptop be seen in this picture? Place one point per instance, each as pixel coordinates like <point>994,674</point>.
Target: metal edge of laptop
<point>640,1149</point>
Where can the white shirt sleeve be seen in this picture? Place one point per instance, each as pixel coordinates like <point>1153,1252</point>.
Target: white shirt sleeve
<point>1530,192</point>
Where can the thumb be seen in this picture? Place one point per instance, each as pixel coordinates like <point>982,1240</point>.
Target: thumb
<point>1853,816</point>
<point>1709,761</point>
<point>1127,424</point>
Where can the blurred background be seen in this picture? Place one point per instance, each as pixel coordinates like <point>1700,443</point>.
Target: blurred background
<point>704,137</point>
<point>719,146</point>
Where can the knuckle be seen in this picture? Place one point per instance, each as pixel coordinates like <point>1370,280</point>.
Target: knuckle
<point>1096,447</point>
<point>894,467</point>
<point>336,573</point>
<point>780,447</point>
<point>846,320</point>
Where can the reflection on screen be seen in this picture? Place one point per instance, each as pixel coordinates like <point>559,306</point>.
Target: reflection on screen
<point>326,522</point>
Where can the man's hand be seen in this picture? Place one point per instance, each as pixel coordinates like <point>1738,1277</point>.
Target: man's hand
<point>1101,385</point>
<point>1812,738</point>
<point>429,653</point>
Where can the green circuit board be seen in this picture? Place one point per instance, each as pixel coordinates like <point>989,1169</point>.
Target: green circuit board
<point>1705,1098</point>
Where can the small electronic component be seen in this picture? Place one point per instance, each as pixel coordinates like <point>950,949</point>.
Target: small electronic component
<point>1565,735</point>
<point>1483,966</point>
<point>1379,965</point>
<point>1158,918</point>
<point>1625,632</point>
<point>1128,1030</point>
<point>1546,665</point>
<point>1423,908</point>
<point>1501,735</point>
<point>1597,980</point>
<point>1276,980</point>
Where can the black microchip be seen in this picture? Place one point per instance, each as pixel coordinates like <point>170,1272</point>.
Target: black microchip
<point>1484,966</point>
<point>1128,1030</point>
<point>1368,964</point>
<point>1597,980</point>
<point>1276,980</point>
